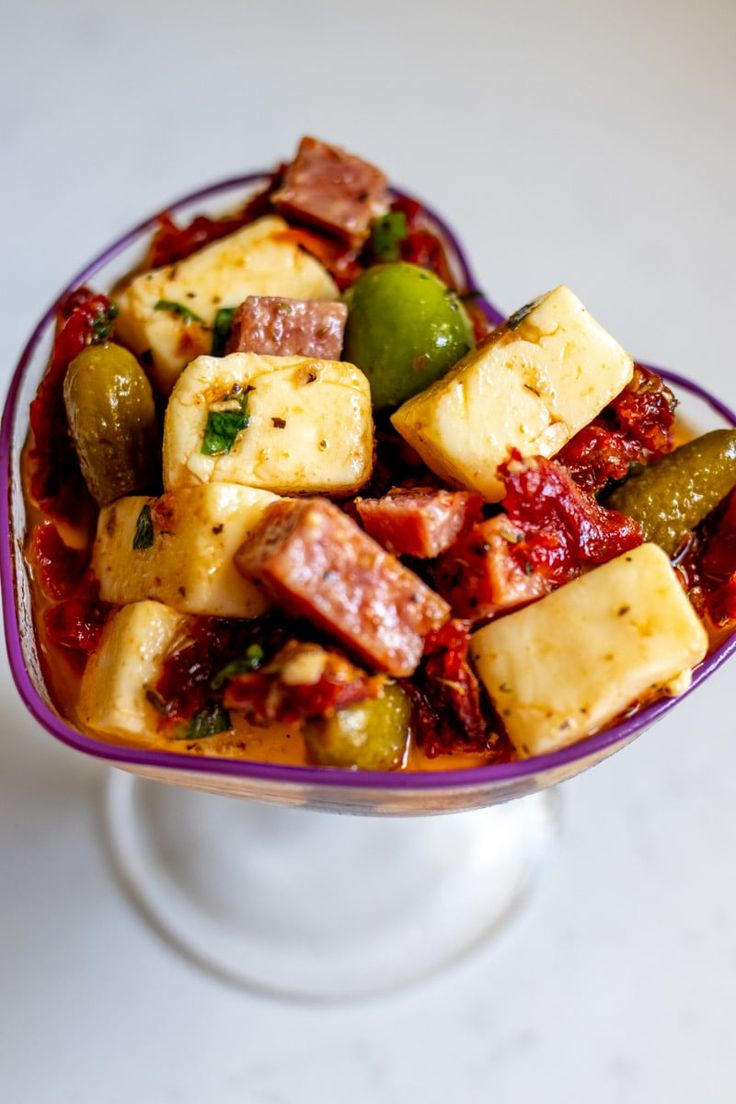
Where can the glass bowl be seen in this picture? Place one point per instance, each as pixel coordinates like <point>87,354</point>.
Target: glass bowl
<point>141,826</point>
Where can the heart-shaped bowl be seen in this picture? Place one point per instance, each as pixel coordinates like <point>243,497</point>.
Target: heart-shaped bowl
<point>367,792</point>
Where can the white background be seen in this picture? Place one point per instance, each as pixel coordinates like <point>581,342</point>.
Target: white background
<point>578,142</point>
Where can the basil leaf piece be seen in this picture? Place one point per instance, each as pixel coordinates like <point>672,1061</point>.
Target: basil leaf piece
<point>387,233</point>
<point>178,308</point>
<point>223,426</point>
<point>143,537</point>
<point>208,722</point>
<point>221,330</point>
<point>102,325</point>
<point>251,661</point>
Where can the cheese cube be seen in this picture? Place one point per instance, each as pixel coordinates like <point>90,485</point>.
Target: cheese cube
<point>260,259</point>
<point>530,385</point>
<point>195,532</point>
<point>309,431</point>
<point>571,663</point>
<point>134,643</point>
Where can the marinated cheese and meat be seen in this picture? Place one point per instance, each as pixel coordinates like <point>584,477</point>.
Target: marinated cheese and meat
<point>294,498</point>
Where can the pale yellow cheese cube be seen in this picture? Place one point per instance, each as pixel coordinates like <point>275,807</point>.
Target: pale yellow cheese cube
<point>571,663</point>
<point>260,259</point>
<point>195,532</point>
<point>310,428</point>
<point>135,641</point>
<point>530,385</point>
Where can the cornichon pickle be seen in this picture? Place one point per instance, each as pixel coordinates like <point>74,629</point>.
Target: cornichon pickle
<point>671,497</point>
<point>405,329</point>
<point>112,418</point>
<point>371,735</point>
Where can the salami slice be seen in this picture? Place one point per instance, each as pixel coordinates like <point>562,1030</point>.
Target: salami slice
<point>317,563</point>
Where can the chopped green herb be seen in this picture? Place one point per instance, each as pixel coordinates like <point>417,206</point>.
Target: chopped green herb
<point>221,330</point>
<point>143,537</point>
<point>178,308</point>
<point>387,233</point>
<point>102,325</point>
<point>208,722</point>
<point>251,661</point>
<point>224,425</point>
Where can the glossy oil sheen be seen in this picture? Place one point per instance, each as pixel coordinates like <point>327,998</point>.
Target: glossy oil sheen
<point>364,792</point>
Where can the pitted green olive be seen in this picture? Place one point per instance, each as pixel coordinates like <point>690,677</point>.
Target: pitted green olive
<point>405,329</point>
<point>370,735</point>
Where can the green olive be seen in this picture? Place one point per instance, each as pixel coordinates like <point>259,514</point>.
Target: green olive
<point>112,419</point>
<point>671,497</point>
<point>371,735</point>
<point>405,329</point>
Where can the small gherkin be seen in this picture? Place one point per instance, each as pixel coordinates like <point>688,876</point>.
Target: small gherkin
<point>671,497</point>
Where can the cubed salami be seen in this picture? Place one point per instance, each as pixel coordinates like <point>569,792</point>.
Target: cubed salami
<point>318,564</point>
<point>418,521</point>
<point>273,326</point>
<point>332,189</point>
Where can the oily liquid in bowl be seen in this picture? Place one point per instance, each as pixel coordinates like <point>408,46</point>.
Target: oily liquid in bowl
<point>270,767</point>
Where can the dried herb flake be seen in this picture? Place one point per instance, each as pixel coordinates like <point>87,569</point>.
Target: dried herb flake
<point>143,537</point>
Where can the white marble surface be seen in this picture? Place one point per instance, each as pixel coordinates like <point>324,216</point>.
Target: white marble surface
<point>570,141</point>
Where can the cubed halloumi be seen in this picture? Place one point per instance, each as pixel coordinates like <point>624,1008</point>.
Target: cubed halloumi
<point>189,566</point>
<point>571,663</point>
<point>127,661</point>
<point>530,385</point>
<point>260,259</point>
<point>310,428</point>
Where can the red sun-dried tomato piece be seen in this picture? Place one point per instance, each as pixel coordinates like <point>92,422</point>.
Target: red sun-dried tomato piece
<point>278,693</point>
<point>596,454</point>
<point>645,411</point>
<point>637,425</point>
<point>76,623</point>
<point>563,525</point>
<point>449,710</point>
<point>550,528</point>
<point>171,243</point>
<point>59,567</point>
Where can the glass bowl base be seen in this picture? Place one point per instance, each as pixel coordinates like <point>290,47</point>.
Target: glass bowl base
<point>306,904</point>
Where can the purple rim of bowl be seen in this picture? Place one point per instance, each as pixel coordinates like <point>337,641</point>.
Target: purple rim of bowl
<point>470,778</point>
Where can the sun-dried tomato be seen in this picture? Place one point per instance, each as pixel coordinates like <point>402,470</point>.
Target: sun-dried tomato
<point>76,623</point>
<point>184,683</point>
<point>56,482</point>
<point>549,529</point>
<point>645,411</point>
<point>596,454</point>
<point>339,259</point>
<point>422,246</point>
<point>275,693</point>
<point>564,527</point>
<point>171,243</point>
<point>636,426</point>
<point>449,710</point>
<point>708,565</point>
<point>59,568</point>
<point>719,556</point>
